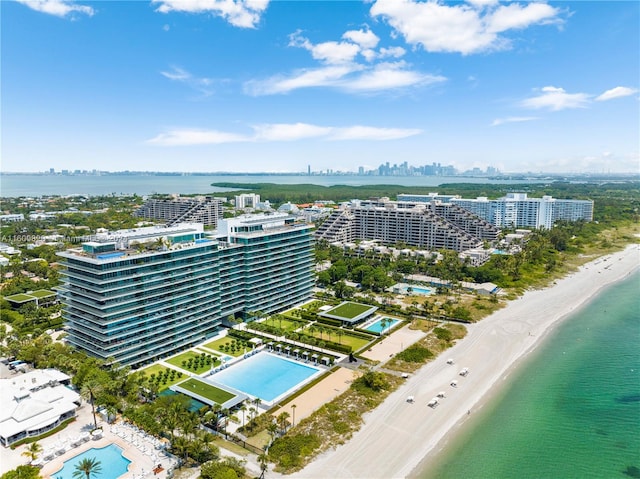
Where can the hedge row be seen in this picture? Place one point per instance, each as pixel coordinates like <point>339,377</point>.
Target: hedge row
<point>329,321</point>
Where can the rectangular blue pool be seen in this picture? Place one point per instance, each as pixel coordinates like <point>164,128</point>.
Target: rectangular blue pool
<point>264,375</point>
<point>377,326</point>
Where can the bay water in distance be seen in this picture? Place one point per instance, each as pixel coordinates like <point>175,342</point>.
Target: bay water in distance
<point>98,185</point>
<point>572,410</point>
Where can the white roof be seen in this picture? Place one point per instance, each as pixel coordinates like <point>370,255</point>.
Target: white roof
<point>34,400</point>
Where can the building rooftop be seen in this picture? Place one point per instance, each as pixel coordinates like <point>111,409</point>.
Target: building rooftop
<point>34,400</point>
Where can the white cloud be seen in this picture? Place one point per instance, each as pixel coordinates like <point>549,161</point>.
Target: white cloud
<point>387,76</point>
<point>395,52</point>
<point>59,8</point>
<point>341,69</point>
<point>482,3</point>
<point>272,132</point>
<point>306,78</point>
<point>200,84</point>
<point>513,119</point>
<point>289,132</point>
<point>352,78</point>
<point>239,13</point>
<point>465,28</point>
<point>326,52</point>
<point>364,38</point>
<point>372,133</point>
<point>188,137</point>
<point>515,16</point>
<point>617,92</point>
<point>555,99</point>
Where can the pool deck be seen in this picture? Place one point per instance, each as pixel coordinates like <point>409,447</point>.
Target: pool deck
<point>321,393</point>
<point>339,381</point>
<point>393,344</point>
<point>141,465</point>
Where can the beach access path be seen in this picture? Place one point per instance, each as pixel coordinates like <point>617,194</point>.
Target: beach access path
<point>398,435</point>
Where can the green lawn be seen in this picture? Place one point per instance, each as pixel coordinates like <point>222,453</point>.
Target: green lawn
<point>218,343</point>
<point>348,310</point>
<point>331,334</point>
<point>285,324</point>
<point>177,361</point>
<point>201,350</point>
<point>157,370</point>
<point>19,298</point>
<point>43,293</point>
<point>206,390</point>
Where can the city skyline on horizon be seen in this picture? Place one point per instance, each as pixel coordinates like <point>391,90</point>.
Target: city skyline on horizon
<point>272,87</point>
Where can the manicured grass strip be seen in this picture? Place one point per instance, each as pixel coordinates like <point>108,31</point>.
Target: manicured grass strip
<point>43,293</point>
<point>19,298</point>
<point>349,310</point>
<point>284,324</point>
<point>159,370</point>
<point>177,361</point>
<point>331,334</point>
<point>218,344</point>
<point>205,390</point>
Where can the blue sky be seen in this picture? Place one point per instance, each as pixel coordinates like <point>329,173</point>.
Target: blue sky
<point>258,85</point>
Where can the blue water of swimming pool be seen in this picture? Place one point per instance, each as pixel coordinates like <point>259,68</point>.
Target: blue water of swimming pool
<point>264,375</point>
<point>419,290</point>
<point>112,463</point>
<point>377,326</point>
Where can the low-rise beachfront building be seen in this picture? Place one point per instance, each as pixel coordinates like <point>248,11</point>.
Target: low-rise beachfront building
<point>33,403</point>
<point>11,218</point>
<point>134,296</point>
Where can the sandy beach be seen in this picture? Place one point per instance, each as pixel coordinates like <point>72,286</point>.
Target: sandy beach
<point>398,435</point>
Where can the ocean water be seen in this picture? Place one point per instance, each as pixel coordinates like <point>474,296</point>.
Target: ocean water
<point>571,411</point>
<point>39,185</point>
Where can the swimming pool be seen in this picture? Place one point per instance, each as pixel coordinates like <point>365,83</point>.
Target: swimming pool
<point>112,463</point>
<point>264,375</point>
<point>417,290</point>
<point>377,326</point>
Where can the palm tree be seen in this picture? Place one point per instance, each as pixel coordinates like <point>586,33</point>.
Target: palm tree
<point>293,410</point>
<point>282,419</point>
<point>383,324</point>
<point>263,464</point>
<point>87,468</point>
<point>89,390</point>
<point>243,408</point>
<point>32,451</point>
<point>272,429</point>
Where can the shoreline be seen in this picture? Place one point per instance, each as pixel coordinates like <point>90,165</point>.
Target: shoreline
<point>389,445</point>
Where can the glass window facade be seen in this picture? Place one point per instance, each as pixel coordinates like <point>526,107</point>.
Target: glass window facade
<point>139,307</point>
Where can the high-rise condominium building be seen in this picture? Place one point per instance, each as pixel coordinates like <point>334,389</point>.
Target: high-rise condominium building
<point>431,225</point>
<point>137,295</point>
<point>516,210</point>
<point>247,200</point>
<point>200,209</point>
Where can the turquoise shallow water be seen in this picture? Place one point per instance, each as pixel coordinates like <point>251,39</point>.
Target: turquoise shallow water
<point>572,411</point>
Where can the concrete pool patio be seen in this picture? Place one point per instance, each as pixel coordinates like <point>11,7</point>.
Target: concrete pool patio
<point>339,381</point>
<point>141,465</point>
